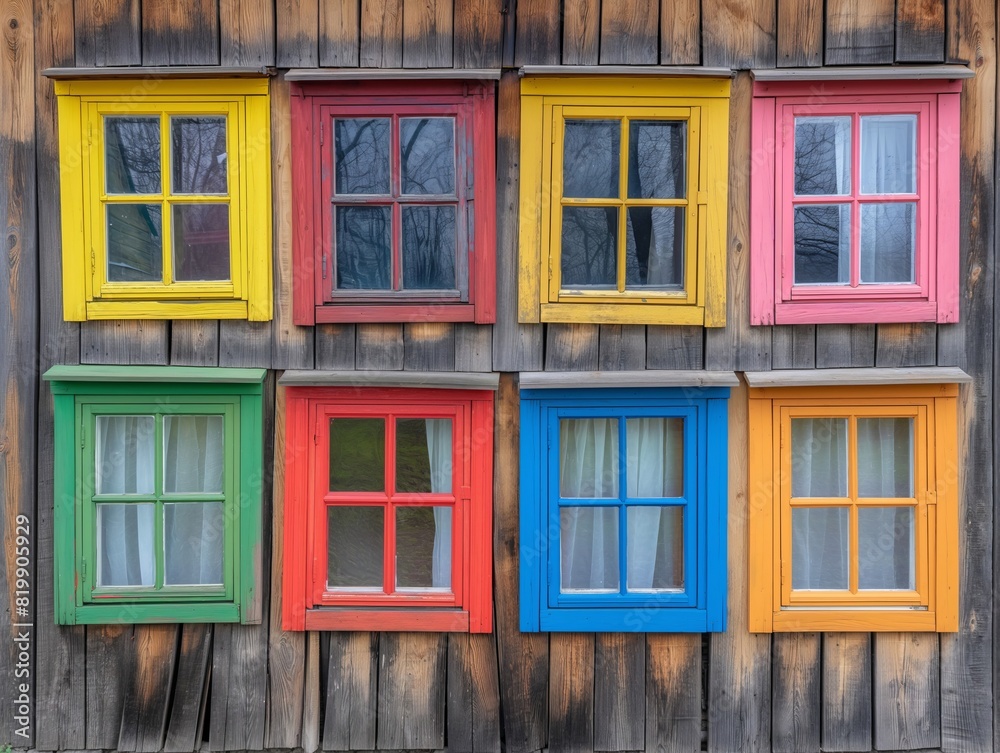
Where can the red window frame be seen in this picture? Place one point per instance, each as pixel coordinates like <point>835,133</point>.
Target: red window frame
<point>307,604</point>
<point>933,296</point>
<point>314,105</point>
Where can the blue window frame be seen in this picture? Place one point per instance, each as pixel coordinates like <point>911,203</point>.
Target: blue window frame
<point>623,509</point>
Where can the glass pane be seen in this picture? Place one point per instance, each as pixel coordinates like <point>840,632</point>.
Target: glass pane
<point>423,547</point>
<point>888,154</point>
<point>888,242</point>
<point>125,550</point>
<point>885,457</point>
<point>654,247</point>
<point>429,248</point>
<point>588,457</point>
<point>124,457</point>
<point>427,155</point>
<point>819,457</point>
<point>135,246</point>
<point>589,247</point>
<point>194,454</point>
<point>357,454</point>
<point>201,242</point>
<point>885,548</point>
<point>588,548</point>
<point>132,154</point>
<point>655,544</point>
<point>423,455</point>
<point>364,248</point>
<point>820,546</point>
<point>193,542</point>
<point>823,156</point>
<point>362,155</point>
<point>655,457</point>
<point>823,244</point>
<point>656,159</point>
<point>355,547</point>
<point>591,158</point>
<point>199,154</point>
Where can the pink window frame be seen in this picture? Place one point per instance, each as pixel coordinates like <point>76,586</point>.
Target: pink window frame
<point>934,295</point>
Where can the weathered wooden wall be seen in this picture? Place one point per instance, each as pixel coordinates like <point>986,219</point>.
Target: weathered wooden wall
<point>175,688</point>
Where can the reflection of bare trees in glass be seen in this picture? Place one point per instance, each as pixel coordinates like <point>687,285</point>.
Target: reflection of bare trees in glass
<point>427,156</point>
<point>361,156</point>
<point>428,247</point>
<point>364,248</point>
<point>199,155</point>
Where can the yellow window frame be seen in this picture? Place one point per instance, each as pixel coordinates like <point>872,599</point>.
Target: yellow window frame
<point>87,293</point>
<point>546,104</point>
<point>933,603</point>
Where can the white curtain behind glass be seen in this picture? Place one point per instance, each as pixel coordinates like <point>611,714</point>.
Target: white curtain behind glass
<point>439,450</point>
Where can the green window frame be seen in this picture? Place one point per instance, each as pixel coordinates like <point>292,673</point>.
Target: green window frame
<point>158,396</point>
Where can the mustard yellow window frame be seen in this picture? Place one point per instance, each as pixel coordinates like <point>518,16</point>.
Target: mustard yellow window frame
<point>546,103</point>
<point>87,291</point>
<point>932,605</point>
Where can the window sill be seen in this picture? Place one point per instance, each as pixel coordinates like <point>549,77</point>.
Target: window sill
<point>390,619</point>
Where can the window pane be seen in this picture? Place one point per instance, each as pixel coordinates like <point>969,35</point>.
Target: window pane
<point>194,454</point>
<point>822,244</point>
<point>820,546</point>
<point>427,155</point>
<point>199,154</point>
<point>132,154</point>
<point>364,248</point>
<point>655,543</point>
<point>201,242</point>
<point>193,539</point>
<point>355,547</point>
<point>588,546</point>
<point>655,457</point>
<point>125,547</point>
<point>885,547</point>
<point>888,241</point>
<point>656,159</point>
<point>889,154</point>
<point>823,156</point>
<point>357,454</point>
<point>885,457</point>
<point>589,247</point>
<point>592,154</point>
<point>654,247</point>
<point>423,547</point>
<point>423,455</point>
<point>362,155</point>
<point>819,457</point>
<point>588,457</point>
<point>124,457</point>
<point>429,248</point>
<point>135,247</point>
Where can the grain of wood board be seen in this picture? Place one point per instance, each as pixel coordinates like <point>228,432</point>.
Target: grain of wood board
<point>107,34</point>
<point>339,33</point>
<point>297,30</point>
<point>180,32</point>
<point>680,32</point>
<point>629,32</point>
<point>382,33</point>
<point>411,690</point>
<point>538,33</point>
<point>800,33</point>
<point>795,693</point>
<point>247,36</point>
<point>428,34</point>
<point>847,692</point>
<point>673,692</point>
<point>581,32</point>
<point>739,34</point>
<point>859,32</point>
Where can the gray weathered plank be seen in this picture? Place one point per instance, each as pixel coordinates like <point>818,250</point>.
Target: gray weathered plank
<point>680,32</point>
<point>297,32</point>
<point>800,33</point>
<point>859,32</point>
<point>478,33</point>
<point>411,690</point>
<point>339,33</point>
<point>428,34</point>
<point>311,695</point>
<point>190,690</point>
<point>840,345</point>
<point>906,691</point>
<point>629,32</point>
<point>847,692</point>
<point>795,693</point>
<point>571,692</point>
<point>148,689</point>
<point>473,347</point>
<point>581,43</point>
<point>675,347</point>
<point>380,347</point>
<point>920,31</point>
<point>429,346</point>
<point>538,32</point>
<point>335,346</point>
<point>246,30</point>
<point>180,32</point>
<point>245,343</point>
<point>793,346</point>
<point>619,691</point>
<point>124,341</point>
<point>673,693</point>
<point>905,345</point>
<point>107,33</point>
<point>572,347</point>
<point>110,658</point>
<point>351,692</point>
<point>739,34</point>
<point>473,698</point>
<point>194,342</point>
<point>622,347</point>
<point>381,33</point>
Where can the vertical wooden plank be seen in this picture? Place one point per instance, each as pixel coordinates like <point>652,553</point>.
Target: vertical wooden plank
<point>571,692</point>
<point>351,692</point>
<point>339,33</point>
<point>180,32</point>
<point>147,696</point>
<point>839,345</point>
<point>124,341</point>
<point>738,346</point>
<point>581,32</point>
<point>245,343</point>
<point>380,347</point>
<point>473,694</point>
<point>473,347</point>
<point>478,33</point>
<point>907,691</point>
<point>428,34</point>
<point>622,347</point>
<point>524,657</point>
<point>859,32</point>
<point>675,347</point>
<point>110,657</point>
<point>381,33</point>
<point>673,693</point>
<point>739,34</point>
<point>793,346</point>
<point>795,693</point>
<point>538,33</point>
<point>619,691</point>
<point>297,31</point>
<point>847,692</point>
<point>516,347</point>
<point>411,690</point>
<point>194,342</point>
<point>630,32</point>
<point>739,670</point>
<point>680,32</point>
<point>571,347</point>
<point>920,31</point>
<point>429,346</point>
<point>905,345</point>
<point>800,33</point>
<point>190,694</point>
<point>247,32</point>
<point>107,33</point>
<point>335,346</point>
<point>311,713</point>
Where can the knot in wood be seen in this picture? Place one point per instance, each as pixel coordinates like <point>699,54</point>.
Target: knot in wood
<point>13,23</point>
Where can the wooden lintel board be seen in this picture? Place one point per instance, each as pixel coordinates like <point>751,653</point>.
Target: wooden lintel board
<point>161,71</point>
<point>626,70</point>
<point>431,379</point>
<point>369,74</point>
<point>539,380</point>
<point>863,73</point>
<point>838,377</point>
